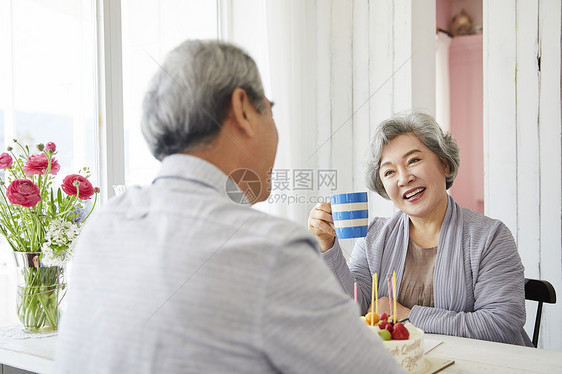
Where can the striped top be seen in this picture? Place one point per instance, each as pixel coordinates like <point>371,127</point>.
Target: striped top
<point>478,280</point>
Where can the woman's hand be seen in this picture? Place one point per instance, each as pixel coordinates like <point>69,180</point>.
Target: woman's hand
<point>403,312</point>
<point>320,224</point>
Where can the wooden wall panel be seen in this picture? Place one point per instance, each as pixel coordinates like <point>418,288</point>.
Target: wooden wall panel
<point>522,137</point>
<point>423,24</point>
<point>528,182</point>
<point>361,92</point>
<point>323,145</point>
<point>342,92</point>
<point>381,82</point>
<point>402,55</point>
<point>500,151</point>
<point>550,129</point>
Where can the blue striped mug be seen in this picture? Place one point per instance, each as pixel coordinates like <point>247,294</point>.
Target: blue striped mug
<point>350,212</point>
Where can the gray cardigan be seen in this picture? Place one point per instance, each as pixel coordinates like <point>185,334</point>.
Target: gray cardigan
<point>478,281</point>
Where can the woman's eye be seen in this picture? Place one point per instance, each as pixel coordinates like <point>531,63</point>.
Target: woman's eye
<point>387,173</point>
<point>413,160</point>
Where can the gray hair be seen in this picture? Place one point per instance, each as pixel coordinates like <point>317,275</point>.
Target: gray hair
<point>188,98</point>
<point>426,129</point>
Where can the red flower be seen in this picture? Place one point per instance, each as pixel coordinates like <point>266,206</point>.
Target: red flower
<point>75,184</point>
<point>23,192</point>
<point>37,164</point>
<point>50,146</point>
<point>5,161</point>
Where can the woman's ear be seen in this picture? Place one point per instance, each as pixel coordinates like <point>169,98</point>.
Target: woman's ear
<point>446,168</point>
<point>242,112</point>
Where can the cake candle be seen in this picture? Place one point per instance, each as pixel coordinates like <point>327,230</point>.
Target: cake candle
<point>373,298</point>
<point>376,295</point>
<point>389,295</point>
<point>394,293</point>
<point>355,291</point>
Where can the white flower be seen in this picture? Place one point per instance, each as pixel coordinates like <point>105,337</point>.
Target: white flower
<point>60,240</point>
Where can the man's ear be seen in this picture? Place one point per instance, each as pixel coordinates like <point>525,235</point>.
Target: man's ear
<point>242,112</point>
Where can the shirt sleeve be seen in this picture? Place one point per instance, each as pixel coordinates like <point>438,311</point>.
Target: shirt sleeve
<point>308,325</point>
<point>357,269</point>
<point>499,299</point>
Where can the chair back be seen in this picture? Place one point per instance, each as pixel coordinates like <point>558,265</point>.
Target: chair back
<point>543,292</point>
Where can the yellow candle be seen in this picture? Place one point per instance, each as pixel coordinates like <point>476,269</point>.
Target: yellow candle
<point>373,297</point>
<point>376,294</point>
<point>394,292</point>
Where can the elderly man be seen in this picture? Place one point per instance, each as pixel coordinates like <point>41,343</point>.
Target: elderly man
<point>179,277</point>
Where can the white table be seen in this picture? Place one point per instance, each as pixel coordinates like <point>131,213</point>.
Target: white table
<point>478,356</point>
<point>470,356</point>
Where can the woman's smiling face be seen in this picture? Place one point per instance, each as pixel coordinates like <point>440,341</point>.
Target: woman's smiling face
<point>413,176</point>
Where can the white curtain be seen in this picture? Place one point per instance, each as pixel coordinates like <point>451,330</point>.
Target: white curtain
<point>282,36</point>
<point>335,69</point>
<point>442,85</point>
<point>291,29</point>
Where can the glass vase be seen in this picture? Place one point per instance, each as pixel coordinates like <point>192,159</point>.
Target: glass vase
<point>40,290</point>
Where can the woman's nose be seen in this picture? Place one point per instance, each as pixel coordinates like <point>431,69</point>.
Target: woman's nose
<point>405,178</point>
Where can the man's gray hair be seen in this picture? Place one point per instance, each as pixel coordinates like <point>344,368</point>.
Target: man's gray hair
<point>426,129</point>
<point>188,98</point>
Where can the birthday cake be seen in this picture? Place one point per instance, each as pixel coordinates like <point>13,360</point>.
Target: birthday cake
<point>403,341</point>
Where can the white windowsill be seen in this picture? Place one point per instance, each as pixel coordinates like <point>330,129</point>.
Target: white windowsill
<point>35,355</point>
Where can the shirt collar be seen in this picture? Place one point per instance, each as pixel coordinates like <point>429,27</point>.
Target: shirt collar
<point>191,168</point>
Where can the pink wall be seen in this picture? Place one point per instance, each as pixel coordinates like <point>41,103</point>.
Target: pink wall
<point>443,19</point>
<point>466,77</point>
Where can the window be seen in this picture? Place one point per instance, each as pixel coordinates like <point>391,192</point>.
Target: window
<point>47,92</point>
<point>151,28</point>
<point>49,83</point>
<point>48,78</point>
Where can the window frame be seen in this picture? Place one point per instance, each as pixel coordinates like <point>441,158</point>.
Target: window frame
<point>111,150</point>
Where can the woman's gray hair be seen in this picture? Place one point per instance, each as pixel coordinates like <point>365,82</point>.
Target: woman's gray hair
<point>188,98</point>
<point>426,129</point>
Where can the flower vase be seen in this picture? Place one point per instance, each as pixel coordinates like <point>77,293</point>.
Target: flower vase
<point>40,289</point>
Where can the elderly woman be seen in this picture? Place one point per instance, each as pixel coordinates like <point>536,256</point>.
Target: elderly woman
<point>457,272</point>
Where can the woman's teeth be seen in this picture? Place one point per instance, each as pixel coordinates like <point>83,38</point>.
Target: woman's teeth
<point>414,192</point>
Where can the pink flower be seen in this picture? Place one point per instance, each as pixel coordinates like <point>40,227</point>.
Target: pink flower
<point>23,192</point>
<point>37,164</point>
<point>5,161</point>
<point>50,146</point>
<point>75,184</point>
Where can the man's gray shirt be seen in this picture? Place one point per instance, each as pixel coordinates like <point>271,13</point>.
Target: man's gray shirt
<point>177,278</point>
